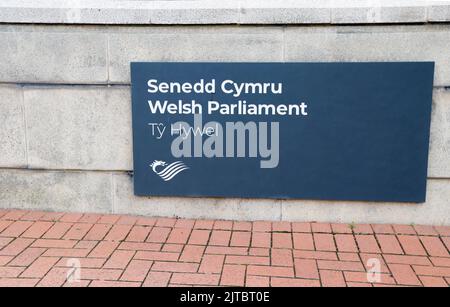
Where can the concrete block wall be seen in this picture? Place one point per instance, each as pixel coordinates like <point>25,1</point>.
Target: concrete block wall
<point>65,104</point>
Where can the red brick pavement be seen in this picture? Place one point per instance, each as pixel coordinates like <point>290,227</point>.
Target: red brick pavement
<point>44,248</point>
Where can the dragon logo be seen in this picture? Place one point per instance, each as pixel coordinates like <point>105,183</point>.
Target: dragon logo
<point>170,171</point>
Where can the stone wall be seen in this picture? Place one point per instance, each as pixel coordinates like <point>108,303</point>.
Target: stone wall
<point>65,109</point>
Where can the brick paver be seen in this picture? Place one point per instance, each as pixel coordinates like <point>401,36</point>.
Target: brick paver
<point>56,249</point>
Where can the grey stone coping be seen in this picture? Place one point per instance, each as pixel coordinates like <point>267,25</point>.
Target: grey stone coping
<point>224,11</point>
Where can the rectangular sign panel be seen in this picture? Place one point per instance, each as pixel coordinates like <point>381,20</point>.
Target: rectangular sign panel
<point>332,131</point>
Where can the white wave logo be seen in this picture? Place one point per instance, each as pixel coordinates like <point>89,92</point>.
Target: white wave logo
<point>170,171</point>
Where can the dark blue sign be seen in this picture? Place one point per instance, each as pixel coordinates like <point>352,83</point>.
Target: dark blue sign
<point>335,131</point>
